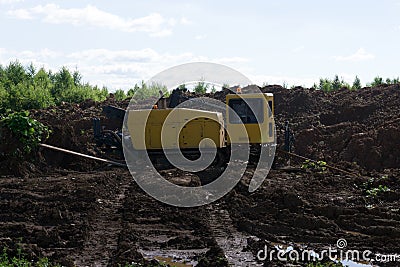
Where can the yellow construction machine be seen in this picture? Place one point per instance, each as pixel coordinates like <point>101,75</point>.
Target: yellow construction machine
<point>166,127</point>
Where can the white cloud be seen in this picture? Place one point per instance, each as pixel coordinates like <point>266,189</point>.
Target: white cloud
<point>298,49</point>
<point>146,55</point>
<point>280,80</point>
<point>185,21</point>
<point>10,1</point>
<point>360,55</point>
<point>41,58</point>
<point>200,37</point>
<point>153,24</point>
<point>230,60</point>
<point>21,14</point>
<point>111,68</point>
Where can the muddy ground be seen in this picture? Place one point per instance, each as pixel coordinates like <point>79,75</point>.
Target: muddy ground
<point>81,213</point>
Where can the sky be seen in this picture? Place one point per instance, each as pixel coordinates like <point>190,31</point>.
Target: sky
<point>119,43</point>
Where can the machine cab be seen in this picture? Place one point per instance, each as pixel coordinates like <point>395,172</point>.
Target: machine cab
<point>255,113</point>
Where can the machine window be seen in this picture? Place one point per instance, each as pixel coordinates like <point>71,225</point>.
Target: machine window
<point>249,110</point>
<point>270,108</point>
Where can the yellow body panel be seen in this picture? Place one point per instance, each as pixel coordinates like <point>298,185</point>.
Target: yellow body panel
<point>258,133</point>
<point>177,128</point>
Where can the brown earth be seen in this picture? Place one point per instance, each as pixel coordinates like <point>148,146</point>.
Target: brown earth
<point>79,212</point>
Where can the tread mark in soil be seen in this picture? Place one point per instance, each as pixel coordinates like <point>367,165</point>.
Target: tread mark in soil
<point>229,239</point>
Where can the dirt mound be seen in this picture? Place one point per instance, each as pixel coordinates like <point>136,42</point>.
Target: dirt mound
<point>354,126</point>
<point>359,127</point>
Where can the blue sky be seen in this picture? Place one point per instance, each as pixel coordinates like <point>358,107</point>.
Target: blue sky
<point>118,43</point>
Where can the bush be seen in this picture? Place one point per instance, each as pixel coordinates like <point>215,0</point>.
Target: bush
<point>319,166</point>
<point>145,91</point>
<point>325,85</point>
<point>328,85</point>
<point>201,87</point>
<point>377,81</point>
<point>120,95</point>
<point>28,131</point>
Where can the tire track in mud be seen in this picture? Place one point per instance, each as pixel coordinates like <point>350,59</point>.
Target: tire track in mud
<point>105,224</point>
<point>180,236</point>
<point>229,239</point>
<point>157,231</point>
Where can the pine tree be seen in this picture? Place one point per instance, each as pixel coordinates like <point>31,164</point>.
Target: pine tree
<point>356,84</point>
<point>336,85</point>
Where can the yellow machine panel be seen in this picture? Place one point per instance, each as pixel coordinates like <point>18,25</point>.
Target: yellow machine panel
<point>175,128</point>
<point>255,112</point>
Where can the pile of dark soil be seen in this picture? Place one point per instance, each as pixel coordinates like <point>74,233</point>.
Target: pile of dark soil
<point>361,127</point>
<point>355,128</point>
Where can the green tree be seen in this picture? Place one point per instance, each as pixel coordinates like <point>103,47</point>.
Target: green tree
<point>182,87</point>
<point>25,88</point>
<point>101,93</point>
<point>31,71</point>
<point>15,97</point>
<point>120,94</point>
<point>15,74</point>
<point>356,84</point>
<point>325,85</point>
<point>201,87</point>
<point>394,81</point>
<point>77,78</point>
<point>36,97</point>
<point>3,98</point>
<point>42,79</point>
<point>145,91</point>
<point>63,85</point>
<point>225,85</point>
<point>2,74</point>
<point>131,92</point>
<point>377,81</point>
<point>344,84</point>
<point>336,84</point>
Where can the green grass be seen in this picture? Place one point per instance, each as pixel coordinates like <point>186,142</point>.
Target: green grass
<point>20,261</point>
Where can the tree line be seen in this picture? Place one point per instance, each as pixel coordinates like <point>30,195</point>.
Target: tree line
<point>328,85</point>
<point>24,88</point>
<point>30,88</point>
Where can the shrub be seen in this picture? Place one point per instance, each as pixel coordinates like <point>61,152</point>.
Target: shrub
<point>325,85</point>
<point>377,81</point>
<point>28,131</point>
<point>120,94</point>
<point>328,85</point>
<point>319,166</point>
<point>201,88</point>
<point>376,191</point>
<point>20,261</point>
<point>145,91</point>
<point>375,187</point>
